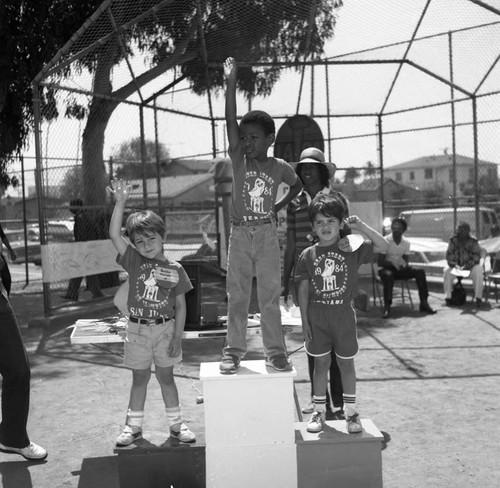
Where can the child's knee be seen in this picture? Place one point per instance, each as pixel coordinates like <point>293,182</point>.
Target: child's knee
<point>141,376</point>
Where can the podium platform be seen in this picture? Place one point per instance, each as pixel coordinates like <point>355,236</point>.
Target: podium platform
<point>334,458</point>
<point>249,418</point>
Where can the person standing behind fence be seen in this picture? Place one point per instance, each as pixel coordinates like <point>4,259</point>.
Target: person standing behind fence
<point>85,228</point>
<point>253,241</point>
<point>16,375</point>
<point>315,174</point>
<point>157,306</point>
<point>5,272</point>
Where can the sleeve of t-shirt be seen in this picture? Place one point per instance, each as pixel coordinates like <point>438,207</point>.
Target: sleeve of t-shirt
<point>127,260</point>
<point>184,285</point>
<point>301,271</point>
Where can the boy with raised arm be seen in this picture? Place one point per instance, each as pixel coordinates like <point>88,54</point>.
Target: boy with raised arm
<point>157,307</point>
<point>253,241</point>
<point>327,276</point>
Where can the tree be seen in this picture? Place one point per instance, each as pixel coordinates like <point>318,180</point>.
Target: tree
<point>31,33</point>
<point>351,174</point>
<point>370,170</point>
<point>186,35</point>
<point>71,186</point>
<point>129,158</point>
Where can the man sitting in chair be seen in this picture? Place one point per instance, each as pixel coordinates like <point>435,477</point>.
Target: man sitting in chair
<point>463,254</point>
<point>394,266</point>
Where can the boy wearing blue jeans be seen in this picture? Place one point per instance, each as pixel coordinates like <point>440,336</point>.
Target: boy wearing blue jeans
<point>253,241</point>
<point>157,307</point>
<point>327,276</point>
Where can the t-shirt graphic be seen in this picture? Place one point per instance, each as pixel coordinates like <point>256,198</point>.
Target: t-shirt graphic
<point>149,281</point>
<point>257,192</point>
<point>330,276</point>
<point>332,272</point>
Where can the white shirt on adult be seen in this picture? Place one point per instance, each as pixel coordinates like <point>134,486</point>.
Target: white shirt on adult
<point>395,252</point>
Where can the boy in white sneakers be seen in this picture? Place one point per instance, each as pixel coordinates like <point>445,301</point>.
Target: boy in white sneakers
<point>327,276</point>
<point>157,307</point>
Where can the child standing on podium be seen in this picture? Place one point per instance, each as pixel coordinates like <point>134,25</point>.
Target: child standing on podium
<point>157,307</point>
<point>253,240</point>
<point>327,276</point>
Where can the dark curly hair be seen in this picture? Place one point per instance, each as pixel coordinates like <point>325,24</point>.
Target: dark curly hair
<point>261,118</point>
<point>327,205</point>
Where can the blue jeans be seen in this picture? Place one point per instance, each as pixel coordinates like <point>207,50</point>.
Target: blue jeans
<point>254,250</point>
<point>15,370</point>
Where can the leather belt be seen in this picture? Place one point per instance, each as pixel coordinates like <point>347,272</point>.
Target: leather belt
<point>159,320</point>
<point>251,223</point>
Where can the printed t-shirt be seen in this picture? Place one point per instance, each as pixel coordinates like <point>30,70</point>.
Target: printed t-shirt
<point>332,273</point>
<point>154,284</point>
<point>255,186</point>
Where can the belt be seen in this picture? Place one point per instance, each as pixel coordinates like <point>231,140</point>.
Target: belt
<point>251,223</point>
<point>159,320</point>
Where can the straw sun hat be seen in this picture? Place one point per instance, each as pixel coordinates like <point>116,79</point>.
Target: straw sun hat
<point>314,155</point>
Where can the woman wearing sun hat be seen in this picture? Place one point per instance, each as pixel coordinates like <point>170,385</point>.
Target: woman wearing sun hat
<point>316,175</point>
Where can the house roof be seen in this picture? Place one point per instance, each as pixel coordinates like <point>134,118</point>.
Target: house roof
<point>438,161</point>
<point>195,165</point>
<point>171,186</point>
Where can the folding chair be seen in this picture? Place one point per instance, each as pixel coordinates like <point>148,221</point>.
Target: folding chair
<point>377,293</point>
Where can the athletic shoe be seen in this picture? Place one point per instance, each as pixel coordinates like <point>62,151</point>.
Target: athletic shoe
<point>183,434</point>
<point>32,452</point>
<point>128,436</point>
<point>353,424</point>
<point>280,363</point>
<point>229,364</point>
<point>316,422</point>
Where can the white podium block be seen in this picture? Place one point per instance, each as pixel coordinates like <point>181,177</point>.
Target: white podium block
<point>251,467</point>
<point>254,407</point>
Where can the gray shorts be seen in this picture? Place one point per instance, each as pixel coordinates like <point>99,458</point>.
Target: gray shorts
<point>148,344</point>
<point>332,328</point>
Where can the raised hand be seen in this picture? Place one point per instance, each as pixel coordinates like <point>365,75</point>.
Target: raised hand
<point>120,189</point>
<point>230,68</point>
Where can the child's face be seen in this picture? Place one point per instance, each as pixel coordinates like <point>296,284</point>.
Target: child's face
<point>255,141</point>
<point>150,245</point>
<point>327,229</point>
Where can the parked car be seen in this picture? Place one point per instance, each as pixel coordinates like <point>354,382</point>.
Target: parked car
<point>57,231</point>
<point>438,223</point>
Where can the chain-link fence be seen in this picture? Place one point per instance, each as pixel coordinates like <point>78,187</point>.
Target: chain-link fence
<point>410,122</point>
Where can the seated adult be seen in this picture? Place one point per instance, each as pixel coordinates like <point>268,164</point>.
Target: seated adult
<point>463,254</point>
<point>394,266</point>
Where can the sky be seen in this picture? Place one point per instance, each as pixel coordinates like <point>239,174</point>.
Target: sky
<point>354,89</point>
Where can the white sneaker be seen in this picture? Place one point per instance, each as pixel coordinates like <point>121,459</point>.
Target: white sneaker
<point>128,436</point>
<point>32,452</point>
<point>316,422</point>
<point>183,434</point>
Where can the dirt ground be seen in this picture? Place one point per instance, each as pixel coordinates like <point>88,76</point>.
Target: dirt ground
<point>429,382</point>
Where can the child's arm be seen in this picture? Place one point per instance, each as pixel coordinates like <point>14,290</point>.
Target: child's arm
<point>303,298</point>
<point>289,196</point>
<point>380,244</point>
<point>120,189</point>
<point>233,132</point>
<point>174,348</point>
